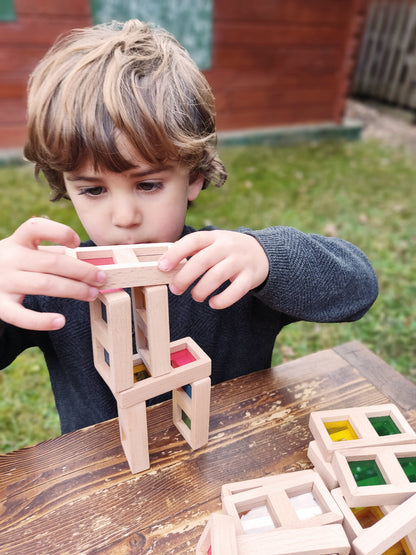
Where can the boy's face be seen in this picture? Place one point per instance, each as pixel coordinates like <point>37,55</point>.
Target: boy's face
<point>145,204</point>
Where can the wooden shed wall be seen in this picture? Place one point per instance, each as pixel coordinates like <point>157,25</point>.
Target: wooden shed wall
<point>283,62</point>
<point>274,62</point>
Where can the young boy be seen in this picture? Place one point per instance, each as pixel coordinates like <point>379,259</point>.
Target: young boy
<point>122,123</point>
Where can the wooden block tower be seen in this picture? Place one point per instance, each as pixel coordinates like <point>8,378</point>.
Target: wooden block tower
<point>160,365</point>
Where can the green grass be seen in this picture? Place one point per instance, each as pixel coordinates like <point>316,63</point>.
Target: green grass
<point>360,191</point>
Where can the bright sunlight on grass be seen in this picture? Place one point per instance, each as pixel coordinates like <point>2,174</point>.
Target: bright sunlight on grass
<point>360,191</point>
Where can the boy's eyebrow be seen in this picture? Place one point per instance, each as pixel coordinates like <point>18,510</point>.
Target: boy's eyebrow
<point>138,173</point>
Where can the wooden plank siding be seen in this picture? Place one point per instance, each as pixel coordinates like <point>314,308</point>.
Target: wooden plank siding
<point>22,43</point>
<point>387,59</point>
<point>274,63</point>
<point>282,63</point>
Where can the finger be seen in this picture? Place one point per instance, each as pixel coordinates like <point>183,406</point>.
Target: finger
<point>212,280</point>
<point>22,317</point>
<point>233,293</point>
<point>34,231</point>
<point>52,286</point>
<point>54,263</point>
<point>54,249</point>
<point>196,267</point>
<point>184,248</point>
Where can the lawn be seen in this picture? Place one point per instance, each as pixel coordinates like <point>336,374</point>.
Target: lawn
<point>360,191</point>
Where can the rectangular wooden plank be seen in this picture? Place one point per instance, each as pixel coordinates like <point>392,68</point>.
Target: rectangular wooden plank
<point>317,13</point>
<point>76,8</point>
<point>36,30</point>
<point>275,34</point>
<point>12,136</point>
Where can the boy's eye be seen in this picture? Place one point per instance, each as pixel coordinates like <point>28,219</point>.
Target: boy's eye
<point>149,186</point>
<point>92,191</point>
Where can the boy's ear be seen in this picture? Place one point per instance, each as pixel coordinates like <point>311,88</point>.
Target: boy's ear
<point>195,186</point>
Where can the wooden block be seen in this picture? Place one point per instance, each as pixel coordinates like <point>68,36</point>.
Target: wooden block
<point>354,426</point>
<point>357,520</point>
<point>121,253</point>
<point>218,537</point>
<point>309,541</point>
<point>392,528</point>
<point>232,488</point>
<point>298,501</point>
<point>135,265</point>
<point>151,322</point>
<point>196,408</point>
<point>133,435</point>
<point>178,377</point>
<point>111,332</point>
<point>322,467</point>
<point>384,475</point>
<point>351,524</point>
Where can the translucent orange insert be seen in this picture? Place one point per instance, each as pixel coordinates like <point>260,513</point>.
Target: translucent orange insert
<point>340,431</point>
<point>399,548</point>
<point>367,516</point>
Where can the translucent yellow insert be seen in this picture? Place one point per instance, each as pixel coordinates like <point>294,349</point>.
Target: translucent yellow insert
<point>340,431</point>
<point>140,372</point>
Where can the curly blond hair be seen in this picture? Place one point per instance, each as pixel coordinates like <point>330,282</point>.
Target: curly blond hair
<point>132,79</point>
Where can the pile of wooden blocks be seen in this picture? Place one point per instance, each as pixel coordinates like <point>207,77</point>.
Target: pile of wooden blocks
<point>359,498</point>
<point>160,366</point>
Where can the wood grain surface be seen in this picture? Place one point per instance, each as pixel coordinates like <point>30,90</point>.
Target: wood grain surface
<point>75,494</point>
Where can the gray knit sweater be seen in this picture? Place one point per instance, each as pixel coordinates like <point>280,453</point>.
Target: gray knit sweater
<point>311,278</point>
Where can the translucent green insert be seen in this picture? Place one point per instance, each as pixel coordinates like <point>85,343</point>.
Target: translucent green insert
<point>366,473</point>
<point>384,425</point>
<point>409,466</point>
<point>186,419</point>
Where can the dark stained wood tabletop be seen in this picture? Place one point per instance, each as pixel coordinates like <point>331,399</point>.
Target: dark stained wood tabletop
<point>75,494</point>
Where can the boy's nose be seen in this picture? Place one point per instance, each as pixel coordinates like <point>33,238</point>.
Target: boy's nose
<point>125,214</point>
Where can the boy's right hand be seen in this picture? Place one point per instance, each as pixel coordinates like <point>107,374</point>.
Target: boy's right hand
<point>27,270</point>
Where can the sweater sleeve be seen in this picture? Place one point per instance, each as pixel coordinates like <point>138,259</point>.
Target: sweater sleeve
<point>315,278</point>
<point>14,341</point>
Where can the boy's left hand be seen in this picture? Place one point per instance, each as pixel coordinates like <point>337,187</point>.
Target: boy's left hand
<point>215,257</point>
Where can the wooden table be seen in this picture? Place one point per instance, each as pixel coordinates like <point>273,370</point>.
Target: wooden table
<point>75,494</point>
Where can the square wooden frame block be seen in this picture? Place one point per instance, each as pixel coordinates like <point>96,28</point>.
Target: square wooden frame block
<point>353,527</point>
<point>397,487</point>
<point>322,466</point>
<point>178,377</point>
<point>196,408</point>
<point>276,497</point>
<point>111,332</point>
<point>134,265</point>
<point>358,417</point>
<point>219,535</point>
<point>131,404</point>
<point>232,488</point>
<point>151,326</point>
<point>393,527</point>
<point>310,541</point>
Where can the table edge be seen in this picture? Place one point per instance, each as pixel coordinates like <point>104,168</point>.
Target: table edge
<point>384,377</point>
